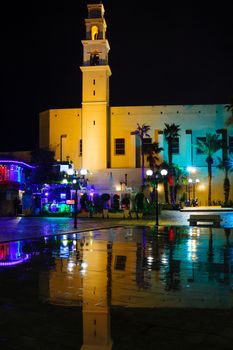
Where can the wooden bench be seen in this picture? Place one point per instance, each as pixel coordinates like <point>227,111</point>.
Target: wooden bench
<point>205,220</point>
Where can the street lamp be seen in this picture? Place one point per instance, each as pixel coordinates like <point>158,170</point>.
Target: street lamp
<point>192,182</point>
<point>189,189</point>
<point>75,202</point>
<point>156,177</point>
<point>63,136</point>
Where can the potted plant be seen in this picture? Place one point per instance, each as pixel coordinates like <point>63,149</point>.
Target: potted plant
<point>125,203</point>
<point>139,204</point>
<point>105,197</point>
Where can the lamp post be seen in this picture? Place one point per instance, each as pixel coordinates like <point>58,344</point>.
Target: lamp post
<point>63,136</point>
<point>192,182</point>
<point>75,202</point>
<point>156,176</point>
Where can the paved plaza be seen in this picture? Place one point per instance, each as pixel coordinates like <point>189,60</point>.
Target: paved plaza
<point>17,228</point>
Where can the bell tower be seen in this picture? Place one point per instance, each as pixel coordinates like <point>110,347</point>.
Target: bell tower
<point>95,92</point>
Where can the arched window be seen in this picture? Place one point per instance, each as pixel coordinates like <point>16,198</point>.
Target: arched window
<point>94,32</point>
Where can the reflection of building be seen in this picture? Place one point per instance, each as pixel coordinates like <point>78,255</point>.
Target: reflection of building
<point>96,314</point>
<point>137,268</point>
<point>13,176</point>
<point>12,254</point>
<point>81,277</point>
<point>98,136</point>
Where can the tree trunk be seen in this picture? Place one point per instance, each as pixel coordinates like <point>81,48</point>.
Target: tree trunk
<point>170,172</point>
<point>226,187</point>
<point>143,165</point>
<point>210,162</point>
<point>166,194</point>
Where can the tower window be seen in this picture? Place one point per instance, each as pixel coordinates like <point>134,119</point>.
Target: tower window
<point>175,145</point>
<point>80,147</point>
<point>230,144</point>
<point>94,32</point>
<point>120,146</point>
<point>94,92</point>
<point>95,13</point>
<point>94,59</point>
<point>93,81</point>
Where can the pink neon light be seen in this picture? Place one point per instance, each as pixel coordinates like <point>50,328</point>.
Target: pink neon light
<point>16,262</point>
<point>2,161</point>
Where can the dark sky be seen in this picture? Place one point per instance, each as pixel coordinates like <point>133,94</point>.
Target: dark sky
<point>160,54</point>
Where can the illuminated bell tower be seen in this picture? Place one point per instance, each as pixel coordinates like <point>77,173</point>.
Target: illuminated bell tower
<point>95,92</point>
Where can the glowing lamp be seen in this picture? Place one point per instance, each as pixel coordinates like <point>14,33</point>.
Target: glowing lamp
<point>163,172</point>
<point>83,172</point>
<point>149,172</point>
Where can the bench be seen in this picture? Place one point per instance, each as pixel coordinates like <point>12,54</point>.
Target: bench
<point>205,219</point>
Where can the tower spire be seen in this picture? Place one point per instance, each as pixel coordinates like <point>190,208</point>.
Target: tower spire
<point>95,95</point>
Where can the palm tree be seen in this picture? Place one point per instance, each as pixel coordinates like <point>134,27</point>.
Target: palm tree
<point>142,132</point>
<point>226,166</point>
<point>171,132</point>
<point>153,150</point>
<point>209,146</point>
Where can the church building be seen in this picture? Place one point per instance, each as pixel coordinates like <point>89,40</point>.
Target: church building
<point>98,137</point>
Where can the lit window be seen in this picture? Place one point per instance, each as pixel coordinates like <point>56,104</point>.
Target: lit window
<point>119,146</point>
<point>94,33</point>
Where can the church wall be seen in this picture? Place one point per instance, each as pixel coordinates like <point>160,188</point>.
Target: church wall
<point>44,130</point>
<point>66,122</point>
<point>200,119</point>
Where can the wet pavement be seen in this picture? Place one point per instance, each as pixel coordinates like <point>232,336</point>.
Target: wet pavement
<point>14,228</point>
<point>118,288</point>
<point>116,284</point>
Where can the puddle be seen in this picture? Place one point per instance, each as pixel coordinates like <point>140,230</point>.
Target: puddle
<point>131,268</point>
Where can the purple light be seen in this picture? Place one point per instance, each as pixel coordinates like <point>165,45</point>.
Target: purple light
<point>3,161</point>
<point>46,194</point>
<point>16,262</point>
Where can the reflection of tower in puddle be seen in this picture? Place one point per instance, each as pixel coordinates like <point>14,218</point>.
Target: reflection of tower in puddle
<point>62,285</point>
<point>96,316</point>
<point>127,269</point>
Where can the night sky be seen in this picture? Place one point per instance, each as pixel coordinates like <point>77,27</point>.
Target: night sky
<point>165,54</point>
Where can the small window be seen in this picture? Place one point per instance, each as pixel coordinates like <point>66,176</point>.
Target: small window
<point>94,32</point>
<point>175,145</point>
<point>119,146</point>
<point>203,139</point>
<point>230,144</point>
<point>147,141</point>
<point>80,147</point>
<point>93,81</point>
<point>94,59</point>
<point>120,262</point>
